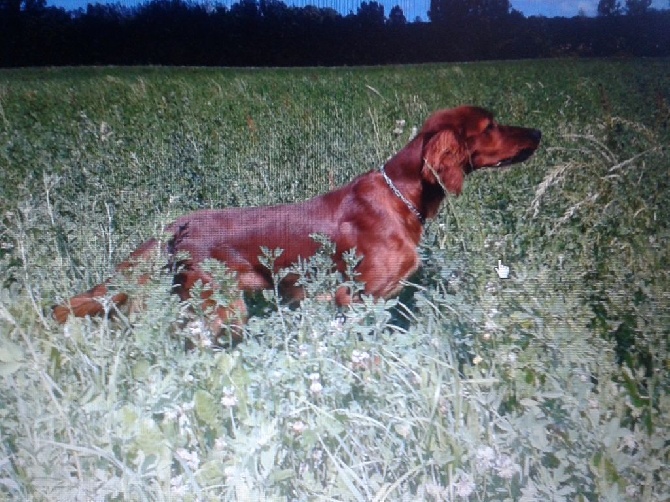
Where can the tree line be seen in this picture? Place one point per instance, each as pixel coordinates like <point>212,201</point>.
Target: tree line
<point>271,33</point>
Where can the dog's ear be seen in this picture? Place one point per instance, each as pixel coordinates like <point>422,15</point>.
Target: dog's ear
<point>445,156</point>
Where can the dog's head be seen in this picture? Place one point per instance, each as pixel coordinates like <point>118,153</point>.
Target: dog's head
<point>452,143</point>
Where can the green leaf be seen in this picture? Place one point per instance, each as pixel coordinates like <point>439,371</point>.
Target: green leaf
<point>11,357</point>
<point>206,407</point>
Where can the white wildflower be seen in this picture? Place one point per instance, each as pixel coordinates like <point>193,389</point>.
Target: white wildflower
<point>298,427</point>
<point>403,430</point>
<point>196,328</point>
<point>190,458</point>
<point>339,321</point>
<point>486,457</point>
<point>490,325</point>
<point>105,131</point>
<point>229,399</point>
<point>359,359</point>
<point>183,422</point>
<point>464,487</point>
<point>507,468</point>
<point>628,442</point>
<point>445,406</point>
<point>436,491</point>
<point>315,386</point>
<point>177,487</point>
<point>631,491</point>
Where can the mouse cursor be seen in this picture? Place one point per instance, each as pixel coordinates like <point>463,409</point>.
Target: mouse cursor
<point>503,270</point>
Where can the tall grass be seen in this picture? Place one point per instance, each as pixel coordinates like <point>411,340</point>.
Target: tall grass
<point>552,384</point>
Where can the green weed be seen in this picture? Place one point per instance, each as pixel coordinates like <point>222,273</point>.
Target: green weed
<point>552,384</point>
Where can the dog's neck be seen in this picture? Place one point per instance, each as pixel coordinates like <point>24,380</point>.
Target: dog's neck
<point>404,176</point>
<point>412,208</point>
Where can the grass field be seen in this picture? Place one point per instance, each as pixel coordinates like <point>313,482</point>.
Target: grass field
<point>551,385</point>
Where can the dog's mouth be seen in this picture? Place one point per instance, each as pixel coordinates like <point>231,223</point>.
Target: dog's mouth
<point>520,157</point>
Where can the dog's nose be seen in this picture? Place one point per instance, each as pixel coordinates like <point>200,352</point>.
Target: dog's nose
<point>536,134</point>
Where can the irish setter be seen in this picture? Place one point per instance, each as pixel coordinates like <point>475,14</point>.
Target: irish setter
<point>381,214</point>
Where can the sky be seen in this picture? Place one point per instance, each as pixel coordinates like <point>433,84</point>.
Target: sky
<point>411,8</point>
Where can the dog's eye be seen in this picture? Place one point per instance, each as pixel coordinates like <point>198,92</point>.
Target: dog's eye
<point>490,126</point>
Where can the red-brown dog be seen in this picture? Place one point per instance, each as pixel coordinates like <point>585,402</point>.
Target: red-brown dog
<point>381,214</point>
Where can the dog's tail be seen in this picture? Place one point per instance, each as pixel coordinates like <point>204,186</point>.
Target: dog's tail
<point>88,303</point>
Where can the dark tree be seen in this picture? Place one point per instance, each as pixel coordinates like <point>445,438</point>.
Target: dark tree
<point>371,14</point>
<point>245,11</point>
<point>10,15</point>
<point>13,6</point>
<point>609,8</point>
<point>397,17</point>
<point>490,9</point>
<point>637,7</point>
<point>442,11</point>
<point>269,32</point>
<point>274,9</point>
<point>446,10</point>
<point>34,6</point>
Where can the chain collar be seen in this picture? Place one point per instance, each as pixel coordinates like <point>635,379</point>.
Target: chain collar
<point>399,194</point>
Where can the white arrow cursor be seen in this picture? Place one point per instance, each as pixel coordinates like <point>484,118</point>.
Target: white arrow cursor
<point>503,270</point>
